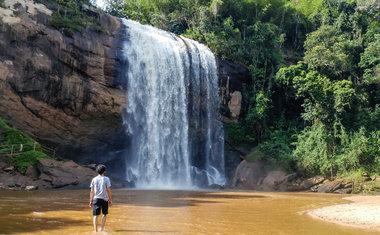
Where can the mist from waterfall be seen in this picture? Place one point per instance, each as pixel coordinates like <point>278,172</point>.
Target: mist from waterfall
<point>172,118</point>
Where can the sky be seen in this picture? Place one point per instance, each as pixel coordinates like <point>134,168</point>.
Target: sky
<point>100,3</point>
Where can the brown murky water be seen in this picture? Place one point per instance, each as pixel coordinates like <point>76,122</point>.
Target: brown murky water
<point>169,212</point>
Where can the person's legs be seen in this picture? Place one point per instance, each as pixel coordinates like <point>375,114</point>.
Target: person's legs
<point>96,212</point>
<point>104,212</point>
<point>104,217</point>
<point>96,223</point>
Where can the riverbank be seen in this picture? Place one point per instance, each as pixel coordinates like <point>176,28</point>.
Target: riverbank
<point>360,212</point>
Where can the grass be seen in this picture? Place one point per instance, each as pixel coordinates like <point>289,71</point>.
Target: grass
<point>22,161</point>
<point>361,184</point>
<point>255,155</point>
<point>70,17</point>
<point>15,137</point>
<point>2,5</point>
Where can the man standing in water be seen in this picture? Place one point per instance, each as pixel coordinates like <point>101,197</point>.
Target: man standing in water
<point>100,196</point>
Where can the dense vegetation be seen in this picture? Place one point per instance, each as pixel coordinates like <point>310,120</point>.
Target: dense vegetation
<point>10,140</point>
<point>314,100</point>
<point>72,16</point>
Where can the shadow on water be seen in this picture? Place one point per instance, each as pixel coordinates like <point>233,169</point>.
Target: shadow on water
<point>155,198</point>
<point>25,211</point>
<point>143,231</point>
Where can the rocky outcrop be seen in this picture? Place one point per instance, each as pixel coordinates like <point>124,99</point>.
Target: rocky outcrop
<point>251,175</point>
<point>47,174</point>
<point>234,80</point>
<point>248,175</point>
<point>63,91</point>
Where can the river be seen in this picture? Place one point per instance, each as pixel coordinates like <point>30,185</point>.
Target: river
<point>169,212</point>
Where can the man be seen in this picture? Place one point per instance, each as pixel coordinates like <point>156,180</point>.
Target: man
<point>100,196</point>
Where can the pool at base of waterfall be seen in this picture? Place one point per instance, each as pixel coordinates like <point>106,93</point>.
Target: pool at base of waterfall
<point>170,212</point>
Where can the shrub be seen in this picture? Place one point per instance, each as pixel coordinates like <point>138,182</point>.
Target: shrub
<point>26,159</point>
<point>3,5</point>
<point>15,137</point>
<point>70,17</point>
<point>255,155</point>
<point>236,133</point>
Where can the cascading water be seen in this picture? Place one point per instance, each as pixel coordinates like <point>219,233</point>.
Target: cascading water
<point>173,119</point>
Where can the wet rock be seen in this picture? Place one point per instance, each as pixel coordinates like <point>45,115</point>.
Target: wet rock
<point>61,174</point>
<point>216,187</point>
<point>330,187</point>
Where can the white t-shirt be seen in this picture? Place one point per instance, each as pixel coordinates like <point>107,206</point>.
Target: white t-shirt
<point>100,184</point>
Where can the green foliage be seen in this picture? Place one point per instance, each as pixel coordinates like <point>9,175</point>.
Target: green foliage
<point>255,155</point>
<point>26,159</point>
<point>15,137</point>
<point>370,61</point>
<point>2,5</point>
<point>236,133</point>
<point>315,153</point>
<point>70,17</point>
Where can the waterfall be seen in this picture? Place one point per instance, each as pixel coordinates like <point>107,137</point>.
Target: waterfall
<point>172,116</point>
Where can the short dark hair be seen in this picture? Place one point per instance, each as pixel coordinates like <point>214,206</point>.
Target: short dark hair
<point>101,169</point>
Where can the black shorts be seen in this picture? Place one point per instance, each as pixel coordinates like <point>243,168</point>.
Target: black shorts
<point>100,204</point>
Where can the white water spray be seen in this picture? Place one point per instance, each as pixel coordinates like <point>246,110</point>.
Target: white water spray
<point>173,111</point>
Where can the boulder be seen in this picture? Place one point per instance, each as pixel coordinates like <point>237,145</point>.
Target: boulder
<point>248,175</point>
<point>330,187</point>
<point>343,191</point>
<point>216,187</point>
<point>32,172</point>
<point>9,169</point>
<point>234,80</point>
<point>310,182</point>
<point>273,180</point>
<point>61,174</point>
<point>31,188</point>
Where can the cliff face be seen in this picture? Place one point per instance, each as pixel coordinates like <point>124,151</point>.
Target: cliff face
<point>66,91</point>
<point>61,90</point>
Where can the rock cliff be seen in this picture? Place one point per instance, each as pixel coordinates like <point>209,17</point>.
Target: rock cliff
<point>67,91</point>
<point>62,90</point>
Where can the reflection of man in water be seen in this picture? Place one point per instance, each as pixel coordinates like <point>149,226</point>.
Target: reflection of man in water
<point>100,196</point>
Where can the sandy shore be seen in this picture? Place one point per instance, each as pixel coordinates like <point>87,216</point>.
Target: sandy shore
<point>360,211</point>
